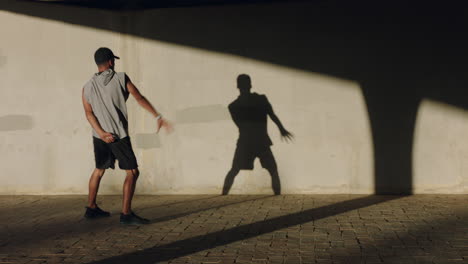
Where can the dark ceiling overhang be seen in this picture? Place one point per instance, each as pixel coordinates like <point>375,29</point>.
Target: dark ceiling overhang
<point>147,4</point>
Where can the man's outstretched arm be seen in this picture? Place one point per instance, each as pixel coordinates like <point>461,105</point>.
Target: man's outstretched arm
<point>143,102</point>
<point>105,136</point>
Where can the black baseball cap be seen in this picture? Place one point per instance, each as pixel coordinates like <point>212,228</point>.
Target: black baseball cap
<point>104,54</point>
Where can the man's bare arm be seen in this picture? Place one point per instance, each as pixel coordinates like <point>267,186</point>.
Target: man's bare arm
<point>143,102</point>
<point>107,137</point>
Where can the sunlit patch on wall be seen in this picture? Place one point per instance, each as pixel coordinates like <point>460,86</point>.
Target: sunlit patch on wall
<point>440,151</point>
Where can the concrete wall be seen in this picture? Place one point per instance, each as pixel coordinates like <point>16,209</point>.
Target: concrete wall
<point>45,139</point>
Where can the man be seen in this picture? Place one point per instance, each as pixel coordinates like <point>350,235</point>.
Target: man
<point>104,99</point>
<point>249,112</point>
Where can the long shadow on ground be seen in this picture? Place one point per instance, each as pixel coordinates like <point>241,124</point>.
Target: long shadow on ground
<point>215,239</point>
<point>59,223</point>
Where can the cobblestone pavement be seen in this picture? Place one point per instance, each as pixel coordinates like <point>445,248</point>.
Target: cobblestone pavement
<point>238,229</point>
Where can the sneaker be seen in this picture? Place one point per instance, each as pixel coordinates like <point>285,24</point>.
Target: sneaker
<point>92,213</point>
<point>133,219</point>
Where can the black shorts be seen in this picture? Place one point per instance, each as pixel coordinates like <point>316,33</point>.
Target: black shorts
<point>245,155</point>
<point>105,154</point>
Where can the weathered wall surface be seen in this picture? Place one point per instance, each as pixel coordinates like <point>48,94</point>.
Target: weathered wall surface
<point>45,140</point>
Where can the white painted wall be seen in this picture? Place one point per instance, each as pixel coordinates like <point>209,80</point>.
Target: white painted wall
<point>46,146</point>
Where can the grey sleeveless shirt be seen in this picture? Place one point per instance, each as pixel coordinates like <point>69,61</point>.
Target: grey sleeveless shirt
<point>107,93</point>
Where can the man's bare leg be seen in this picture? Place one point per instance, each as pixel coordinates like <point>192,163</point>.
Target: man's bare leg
<point>129,190</point>
<point>94,182</point>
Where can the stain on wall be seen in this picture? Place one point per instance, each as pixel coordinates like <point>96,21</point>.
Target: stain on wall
<point>3,59</point>
<point>200,114</point>
<point>16,122</point>
<point>147,140</point>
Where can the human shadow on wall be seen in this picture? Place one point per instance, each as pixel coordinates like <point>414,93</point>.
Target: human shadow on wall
<point>250,112</point>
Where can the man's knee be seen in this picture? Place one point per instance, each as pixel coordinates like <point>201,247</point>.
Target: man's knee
<point>133,173</point>
<point>99,172</point>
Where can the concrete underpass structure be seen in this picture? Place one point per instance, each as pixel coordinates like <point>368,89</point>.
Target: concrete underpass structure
<point>374,109</point>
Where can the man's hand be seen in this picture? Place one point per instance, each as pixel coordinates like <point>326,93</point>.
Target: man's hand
<point>164,123</point>
<point>286,135</point>
<point>107,137</point>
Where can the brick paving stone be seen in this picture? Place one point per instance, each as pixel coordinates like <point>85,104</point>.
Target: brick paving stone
<point>239,229</point>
